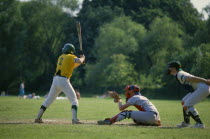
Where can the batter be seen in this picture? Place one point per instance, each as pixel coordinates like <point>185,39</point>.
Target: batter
<point>198,89</point>
<point>147,114</point>
<point>67,62</point>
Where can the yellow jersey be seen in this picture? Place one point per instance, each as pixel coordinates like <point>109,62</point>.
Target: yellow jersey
<point>65,65</point>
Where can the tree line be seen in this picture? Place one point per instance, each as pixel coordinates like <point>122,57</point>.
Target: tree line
<point>125,42</point>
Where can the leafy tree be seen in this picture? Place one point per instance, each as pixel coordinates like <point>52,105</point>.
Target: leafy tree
<point>161,44</point>
<point>91,21</point>
<point>202,35</point>
<point>12,31</point>
<point>69,4</point>
<point>201,65</point>
<point>116,42</point>
<point>32,35</point>
<point>120,71</point>
<point>47,26</point>
<point>122,35</point>
<point>145,11</point>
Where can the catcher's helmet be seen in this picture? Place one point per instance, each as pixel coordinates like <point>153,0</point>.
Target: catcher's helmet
<point>68,49</point>
<point>134,88</point>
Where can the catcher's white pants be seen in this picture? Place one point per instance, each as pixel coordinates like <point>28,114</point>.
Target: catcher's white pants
<point>139,117</point>
<point>145,117</point>
<point>61,84</point>
<point>198,95</point>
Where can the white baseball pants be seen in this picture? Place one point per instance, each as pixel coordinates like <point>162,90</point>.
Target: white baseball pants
<point>198,95</point>
<point>145,117</point>
<point>61,84</point>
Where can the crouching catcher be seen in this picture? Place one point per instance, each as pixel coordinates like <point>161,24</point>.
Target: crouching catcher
<point>147,114</point>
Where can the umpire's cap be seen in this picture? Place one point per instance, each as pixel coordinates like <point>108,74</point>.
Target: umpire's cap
<point>68,49</point>
<point>175,64</point>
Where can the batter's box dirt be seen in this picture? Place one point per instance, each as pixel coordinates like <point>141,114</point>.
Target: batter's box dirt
<point>86,122</point>
<point>57,121</point>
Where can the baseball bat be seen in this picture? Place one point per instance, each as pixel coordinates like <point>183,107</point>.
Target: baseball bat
<point>79,34</point>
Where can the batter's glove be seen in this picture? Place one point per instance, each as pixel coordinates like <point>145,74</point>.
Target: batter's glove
<point>115,96</point>
<point>81,52</point>
<point>208,82</point>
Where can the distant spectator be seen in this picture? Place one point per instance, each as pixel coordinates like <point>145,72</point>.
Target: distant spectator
<point>34,96</point>
<point>22,90</point>
<point>30,96</point>
<point>3,93</point>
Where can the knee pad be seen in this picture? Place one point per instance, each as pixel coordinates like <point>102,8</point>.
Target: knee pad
<point>124,115</point>
<point>182,103</point>
<point>192,110</point>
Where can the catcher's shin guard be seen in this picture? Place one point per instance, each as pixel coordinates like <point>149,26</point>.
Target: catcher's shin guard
<point>193,113</point>
<point>186,117</point>
<point>122,115</point>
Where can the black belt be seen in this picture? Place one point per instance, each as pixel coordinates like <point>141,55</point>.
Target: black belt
<point>61,76</point>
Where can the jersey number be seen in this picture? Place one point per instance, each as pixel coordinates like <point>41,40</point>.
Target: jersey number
<point>61,60</point>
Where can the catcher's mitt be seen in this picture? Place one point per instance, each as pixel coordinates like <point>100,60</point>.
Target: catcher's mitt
<point>115,96</point>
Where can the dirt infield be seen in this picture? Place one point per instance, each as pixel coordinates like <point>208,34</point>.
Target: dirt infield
<point>86,122</point>
<point>56,121</point>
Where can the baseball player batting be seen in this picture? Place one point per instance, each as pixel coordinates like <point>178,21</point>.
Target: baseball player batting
<point>67,62</point>
<point>147,114</point>
<point>198,89</point>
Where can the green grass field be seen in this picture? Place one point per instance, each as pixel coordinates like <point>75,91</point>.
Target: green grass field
<point>17,116</point>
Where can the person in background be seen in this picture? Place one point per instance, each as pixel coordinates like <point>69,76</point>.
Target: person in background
<point>22,90</point>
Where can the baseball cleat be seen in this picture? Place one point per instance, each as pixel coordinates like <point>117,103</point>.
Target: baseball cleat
<point>104,122</point>
<point>38,121</point>
<point>198,125</point>
<point>77,121</point>
<point>183,124</point>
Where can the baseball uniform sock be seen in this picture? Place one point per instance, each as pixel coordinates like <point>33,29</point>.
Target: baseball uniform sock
<point>74,112</point>
<point>41,111</point>
<point>186,117</point>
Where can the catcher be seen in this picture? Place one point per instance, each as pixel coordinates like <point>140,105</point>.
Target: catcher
<point>147,114</point>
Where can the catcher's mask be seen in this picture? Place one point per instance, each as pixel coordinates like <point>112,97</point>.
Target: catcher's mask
<point>134,88</point>
<point>174,64</point>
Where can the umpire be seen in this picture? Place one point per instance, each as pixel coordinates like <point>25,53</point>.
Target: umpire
<point>198,89</point>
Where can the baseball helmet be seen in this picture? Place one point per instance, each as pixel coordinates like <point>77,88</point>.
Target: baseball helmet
<point>68,49</point>
<point>134,88</point>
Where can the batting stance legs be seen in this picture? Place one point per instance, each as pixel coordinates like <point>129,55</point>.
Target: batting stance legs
<point>192,99</point>
<point>139,117</point>
<point>60,84</point>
